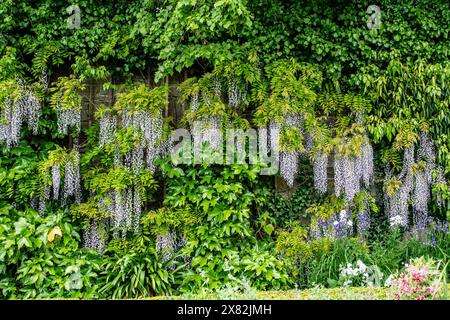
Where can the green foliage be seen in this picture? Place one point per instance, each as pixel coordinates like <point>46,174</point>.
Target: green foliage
<point>159,222</point>
<point>257,266</point>
<point>133,270</point>
<point>58,157</point>
<point>411,98</point>
<point>291,86</point>
<point>123,35</point>
<point>286,211</point>
<point>19,180</point>
<point>37,265</point>
<point>317,262</point>
<point>141,98</point>
<point>222,245</point>
<point>56,275</point>
<point>316,60</point>
<point>67,94</point>
<point>326,268</point>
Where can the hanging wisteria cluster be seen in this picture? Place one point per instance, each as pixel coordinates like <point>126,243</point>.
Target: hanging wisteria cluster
<point>207,121</point>
<point>65,172</point>
<point>108,128</point>
<point>24,106</point>
<point>320,166</point>
<point>269,143</point>
<point>289,160</point>
<point>168,244</point>
<point>93,237</point>
<point>125,211</point>
<point>72,185</point>
<point>68,118</point>
<point>236,96</point>
<point>56,180</point>
<point>289,166</point>
<point>126,205</point>
<point>397,204</point>
<point>66,100</point>
<point>44,78</point>
<point>415,179</point>
<point>212,133</point>
<point>146,124</point>
<point>149,126</point>
<point>350,172</point>
<point>207,129</point>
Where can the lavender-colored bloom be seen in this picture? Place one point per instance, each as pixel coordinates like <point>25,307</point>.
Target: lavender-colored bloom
<point>363,223</point>
<point>427,229</point>
<point>339,226</point>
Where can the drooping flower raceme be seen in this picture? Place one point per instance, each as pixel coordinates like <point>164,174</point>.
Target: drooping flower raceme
<point>320,164</point>
<point>289,166</point>
<point>416,179</point>
<point>21,105</point>
<point>93,237</point>
<point>72,182</point>
<point>166,246</point>
<point>56,180</point>
<point>108,127</point>
<point>68,118</point>
<point>350,172</point>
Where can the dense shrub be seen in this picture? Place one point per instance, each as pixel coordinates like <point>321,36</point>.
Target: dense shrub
<point>222,246</point>
<point>40,257</point>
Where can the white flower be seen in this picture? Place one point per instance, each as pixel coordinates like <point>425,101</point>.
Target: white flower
<point>335,223</point>
<point>396,221</point>
<point>388,281</point>
<point>350,223</point>
<point>343,214</point>
<point>361,266</point>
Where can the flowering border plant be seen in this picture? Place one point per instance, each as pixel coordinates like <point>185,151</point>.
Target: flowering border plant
<point>422,279</point>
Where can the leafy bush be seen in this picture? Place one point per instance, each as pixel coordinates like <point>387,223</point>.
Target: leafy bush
<point>389,250</point>
<point>318,261</point>
<point>222,245</point>
<point>40,257</point>
<point>286,211</point>
<point>19,172</point>
<point>133,270</point>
